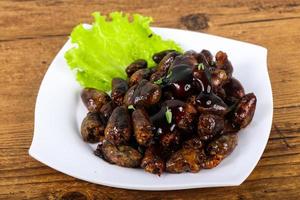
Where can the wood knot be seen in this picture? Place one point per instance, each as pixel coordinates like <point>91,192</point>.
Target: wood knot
<point>73,196</point>
<point>195,22</point>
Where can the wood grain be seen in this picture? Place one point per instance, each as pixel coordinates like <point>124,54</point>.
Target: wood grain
<point>33,31</point>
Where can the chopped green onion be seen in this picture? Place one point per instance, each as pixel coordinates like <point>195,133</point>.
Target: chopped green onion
<point>169,75</point>
<point>168,115</point>
<point>130,107</point>
<point>158,82</point>
<point>201,66</point>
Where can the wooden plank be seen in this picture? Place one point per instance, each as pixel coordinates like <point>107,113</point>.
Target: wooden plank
<point>32,32</point>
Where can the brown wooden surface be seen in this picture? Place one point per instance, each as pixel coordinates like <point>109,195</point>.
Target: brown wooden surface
<point>32,32</point>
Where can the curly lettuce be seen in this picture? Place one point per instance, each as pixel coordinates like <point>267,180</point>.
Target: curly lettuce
<point>103,51</point>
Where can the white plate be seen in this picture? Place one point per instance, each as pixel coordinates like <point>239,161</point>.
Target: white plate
<point>59,111</point>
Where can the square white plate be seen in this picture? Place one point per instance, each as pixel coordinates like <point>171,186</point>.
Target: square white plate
<point>59,112</point>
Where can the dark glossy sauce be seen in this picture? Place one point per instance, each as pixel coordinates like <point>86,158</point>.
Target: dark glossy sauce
<point>180,73</point>
<point>208,100</point>
<point>179,80</point>
<point>159,120</point>
<point>201,80</point>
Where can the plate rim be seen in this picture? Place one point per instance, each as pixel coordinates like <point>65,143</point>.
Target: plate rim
<point>35,154</point>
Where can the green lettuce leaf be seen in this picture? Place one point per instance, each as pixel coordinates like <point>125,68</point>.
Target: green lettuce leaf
<point>103,51</point>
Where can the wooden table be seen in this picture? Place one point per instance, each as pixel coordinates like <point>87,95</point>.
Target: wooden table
<point>32,32</point>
